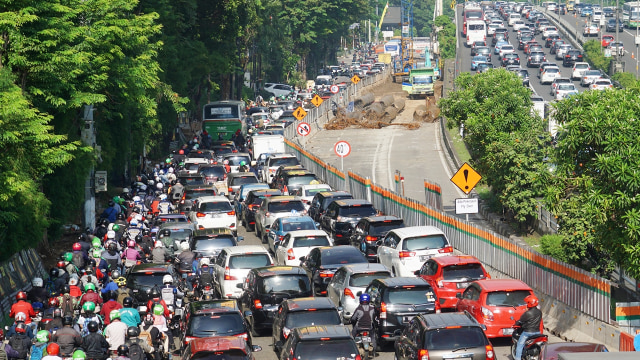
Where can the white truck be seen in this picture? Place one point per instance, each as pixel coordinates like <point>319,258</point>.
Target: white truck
<point>266,144</point>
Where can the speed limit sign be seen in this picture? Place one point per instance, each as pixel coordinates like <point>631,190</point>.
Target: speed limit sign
<point>342,148</point>
<point>334,89</point>
<point>303,129</point>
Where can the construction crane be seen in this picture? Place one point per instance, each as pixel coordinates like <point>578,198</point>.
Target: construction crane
<point>404,61</point>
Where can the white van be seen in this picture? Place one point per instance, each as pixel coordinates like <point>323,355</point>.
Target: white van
<point>323,81</point>
<point>476,31</point>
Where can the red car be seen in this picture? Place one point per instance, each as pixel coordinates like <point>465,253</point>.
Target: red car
<point>496,303</point>
<point>607,39</point>
<point>450,275</point>
<point>221,347</point>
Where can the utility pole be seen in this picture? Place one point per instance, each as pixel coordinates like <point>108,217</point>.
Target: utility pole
<point>88,136</point>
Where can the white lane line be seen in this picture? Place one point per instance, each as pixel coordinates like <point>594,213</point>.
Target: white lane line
<point>375,161</point>
<point>389,160</point>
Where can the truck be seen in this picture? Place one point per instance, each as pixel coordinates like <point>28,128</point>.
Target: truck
<point>420,82</point>
<point>266,144</point>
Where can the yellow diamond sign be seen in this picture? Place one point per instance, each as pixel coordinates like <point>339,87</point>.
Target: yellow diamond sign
<point>355,79</point>
<point>299,113</point>
<point>317,100</point>
<point>466,178</point>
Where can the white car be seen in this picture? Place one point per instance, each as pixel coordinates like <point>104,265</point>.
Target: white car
<point>597,16</point>
<point>307,192</point>
<point>549,74</point>
<point>233,265</point>
<point>562,50</point>
<point>589,30</point>
<point>491,29</point>
<point>404,250</point>
<point>549,30</point>
<point>506,49</point>
<point>279,89</point>
<point>274,207</point>
<point>616,47</point>
<point>578,70</point>
<point>297,244</point>
<point>601,84</point>
<point>564,90</point>
<point>273,162</point>
<point>260,119</point>
<point>518,24</point>
<point>213,212</point>
<point>350,280</point>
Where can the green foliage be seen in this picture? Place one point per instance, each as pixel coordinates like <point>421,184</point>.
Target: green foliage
<point>446,36</point>
<point>627,80</point>
<point>594,55</point>
<point>552,245</point>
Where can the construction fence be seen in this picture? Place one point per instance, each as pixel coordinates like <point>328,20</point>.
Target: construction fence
<point>16,275</point>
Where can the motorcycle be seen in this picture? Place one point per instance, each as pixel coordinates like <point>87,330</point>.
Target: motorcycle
<point>364,342</point>
<point>532,347</point>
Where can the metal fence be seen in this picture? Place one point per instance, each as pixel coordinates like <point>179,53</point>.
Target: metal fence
<point>16,275</point>
<point>433,194</point>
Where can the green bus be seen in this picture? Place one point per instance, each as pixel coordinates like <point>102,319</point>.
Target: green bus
<point>223,118</point>
<point>631,14</point>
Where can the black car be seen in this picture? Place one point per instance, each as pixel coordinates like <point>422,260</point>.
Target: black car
<point>212,173</point>
<point>144,277</point>
<point>608,12</point>
<point>510,59</point>
<point>322,263</point>
<point>523,40</point>
<point>321,201</point>
<point>524,75</point>
<point>213,318</point>
<point>252,203</point>
<point>342,216</point>
<point>572,57</point>
<point>443,335</point>
<point>266,287</point>
<point>371,229</point>
<point>611,25</point>
<point>535,59</point>
<point>207,243</point>
<point>319,343</point>
<point>192,192</point>
<point>555,46</point>
<point>292,180</point>
<point>294,313</point>
<point>187,179</point>
<point>396,301</point>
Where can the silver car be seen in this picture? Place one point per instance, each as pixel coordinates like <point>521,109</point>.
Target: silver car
<point>589,77</point>
<point>350,281</point>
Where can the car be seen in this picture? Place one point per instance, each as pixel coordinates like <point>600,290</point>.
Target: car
<point>524,75</point>
<point>235,159</point>
<point>441,336</point>
<point>307,192</point>
<point>506,49</point>
<point>280,173</point>
<point>208,243</point>
<point>187,179</point>
<point>562,50</point>
<point>279,89</point>
<point>590,30</point>
<point>597,16</point>
<point>491,29</point>
<point>232,266</point>
<point>271,164</point>
<point>282,225</point>
<point>611,24</point>
<point>404,250</point>
<point>477,60</point>
<point>264,290</point>
<point>518,25</point>
<point>235,180</point>
<point>224,347</point>
<point>578,69</point>
<point>275,111</point>
<point>549,30</point>
<point>300,312</point>
<point>172,234</point>
<point>450,275</point>
<point>523,40</point>
<point>500,36</point>
<point>549,74</point>
<point>589,77</point>
<point>484,67</point>
<point>616,47</point>
<point>586,11</point>
<point>601,84</point>
<point>550,351</point>
<point>297,244</point>
<point>144,277</point>
<point>213,212</point>
<point>550,39</point>
<point>342,216</point>
<point>557,81</point>
<point>565,90</point>
<point>510,59</point>
<point>498,45</point>
<point>260,119</point>
<point>322,263</point>
<point>319,342</point>
<point>214,174</point>
<point>528,44</point>
<point>607,39</point>
<point>483,51</point>
<point>608,12</point>
<point>207,319</point>
<point>192,192</point>
<point>321,201</point>
<point>555,44</point>
<point>571,57</point>
<point>496,304</point>
<point>290,180</point>
<point>240,197</point>
<point>252,203</point>
<point>535,48</point>
<point>396,301</point>
<point>370,230</point>
<point>274,207</point>
<point>287,117</point>
<point>350,280</point>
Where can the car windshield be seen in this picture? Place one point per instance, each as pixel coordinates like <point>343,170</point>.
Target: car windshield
<point>326,349</point>
<point>313,192</point>
<point>364,279</point>
<point>307,241</point>
<point>450,339</point>
<point>379,229</point>
<point>311,318</point>
<point>249,261</point>
<point>357,211</point>
<point>287,161</point>
<point>218,324</point>
<point>582,66</point>
<point>302,180</point>
<point>291,225</point>
<point>332,257</point>
<point>286,206</point>
<point>479,58</point>
<point>464,272</point>
<point>144,280</point>
<point>566,87</point>
<point>437,241</point>
<point>592,72</point>
<point>195,180</point>
<point>291,284</point>
<point>179,235</point>
<point>242,180</point>
<point>507,298</point>
<point>410,295</point>
<point>237,159</point>
<point>215,172</point>
<point>210,244</point>
<point>234,354</point>
<point>216,206</point>
<point>196,193</point>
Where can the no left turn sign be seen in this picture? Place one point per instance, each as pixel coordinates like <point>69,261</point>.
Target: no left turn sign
<point>334,89</point>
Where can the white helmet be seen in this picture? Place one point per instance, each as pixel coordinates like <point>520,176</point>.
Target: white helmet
<point>184,246</point>
<point>204,261</point>
<point>73,281</point>
<point>167,279</point>
<point>170,170</point>
<point>136,198</point>
<point>250,131</point>
<point>163,197</point>
<point>125,190</point>
<point>37,282</point>
<point>111,234</point>
<point>226,162</point>
<point>159,186</point>
<point>159,244</point>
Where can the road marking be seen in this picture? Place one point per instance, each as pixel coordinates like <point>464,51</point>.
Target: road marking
<point>375,161</point>
<point>391,181</point>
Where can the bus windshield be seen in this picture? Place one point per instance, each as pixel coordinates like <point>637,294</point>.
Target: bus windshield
<point>219,112</point>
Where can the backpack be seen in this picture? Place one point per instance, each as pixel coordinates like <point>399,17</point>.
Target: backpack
<point>78,260</point>
<point>122,294</point>
<point>112,262</point>
<point>20,343</point>
<point>145,336</point>
<point>3,352</point>
<point>167,295</point>
<point>206,278</point>
<point>66,305</point>
<point>136,352</point>
<point>37,351</point>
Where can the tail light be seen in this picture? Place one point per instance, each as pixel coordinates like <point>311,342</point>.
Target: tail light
<point>347,292</point>
<point>207,288</point>
<point>371,238</point>
<point>358,357</point>
<point>252,206</point>
<point>232,212</point>
<point>290,255</point>
<point>406,254</point>
<point>227,274</point>
<point>230,190</point>
<point>285,332</point>
<point>326,274</point>
<point>383,310</point>
<point>489,352</point>
<point>200,215</point>
<point>244,336</point>
<point>446,249</point>
<point>486,314</point>
<point>257,304</point>
<point>423,354</point>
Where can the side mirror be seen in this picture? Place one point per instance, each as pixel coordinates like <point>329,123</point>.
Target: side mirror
<point>459,295</point>
<point>240,238</point>
<point>240,285</point>
<point>248,313</point>
<point>302,258</point>
<point>256,348</point>
<point>359,293</point>
<point>416,273</point>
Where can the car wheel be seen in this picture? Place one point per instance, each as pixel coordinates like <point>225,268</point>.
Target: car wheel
<point>255,332</point>
<point>393,272</point>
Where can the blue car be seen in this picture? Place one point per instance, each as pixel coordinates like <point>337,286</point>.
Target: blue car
<point>499,45</point>
<point>281,226</point>
<point>241,195</point>
<point>586,12</point>
<point>477,60</point>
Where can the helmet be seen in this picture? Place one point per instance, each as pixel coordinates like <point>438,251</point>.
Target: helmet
<point>133,331</point>
<point>184,246</point>
<point>111,246</point>
<point>88,270</point>
<point>96,243</point>
<point>54,272</point>
<point>57,313</point>
<point>79,355</point>
<point>131,243</point>
<point>89,307</point>
<point>68,256</point>
<point>123,350</point>
<point>138,238</point>
<point>204,262</point>
<point>111,234</point>
<point>65,289</point>
<point>21,295</point>
<point>112,295</point>
<point>165,232</point>
<point>127,302</point>
<point>116,227</point>
<point>148,319</point>
<point>155,293</point>
<point>93,326</point>
<point>76,247</point>
<point>146,232</point>
<point>167,279</point>
<point>90,287</point>
<point>37,282</point>
<point>158,309</point>
<point>114,314</point>
<point>21,317</point>
<point>243,163</point>
<point>53,302</point>
<point>115,274</point>
<point>73,281</point>
<point>365,299</point>
<point>121,215</point>
<point>92,262</point>
<point>158,244</point>
<point>181,152</point>
<point>21,328</point>
<point>121,281</point>
<point>67,320</point>
<point>60,264</point>
<point>43,336</point>
<point>531,300</point>
<point>53,349</point>
<point>226,162</point>
<point>163,197</point>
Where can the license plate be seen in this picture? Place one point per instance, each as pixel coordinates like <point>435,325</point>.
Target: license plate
<point>366,339</point>
<point>424,257</point>
<point>507,331</point>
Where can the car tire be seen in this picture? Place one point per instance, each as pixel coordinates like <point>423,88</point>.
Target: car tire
<point>255,332</point>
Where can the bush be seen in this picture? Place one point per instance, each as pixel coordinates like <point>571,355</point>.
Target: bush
<point>552,245</point>
<point>594,55</point>
<point>627,80</point>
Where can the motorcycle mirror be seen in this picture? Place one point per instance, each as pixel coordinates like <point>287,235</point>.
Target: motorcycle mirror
<point>359,293</point>
<point>256,348</point>
<point>239,286</point>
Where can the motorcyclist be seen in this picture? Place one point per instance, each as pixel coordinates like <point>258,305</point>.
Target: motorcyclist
<point>123,291</point>
<point>22,306</point>
<point>133,333</point>
<point>20,341</point>
<point>156,299</point>
<point>128,314</point>
<point>115,332</point>
<point>89,277</point>
<point>20,319</point>
<point>56,322</point>
<point>243,167</point>
<point>53,352</point>
<point>12,354</point>
<point>123,352</point>
<point>169,292</point>
<point>130,255</point>
<point>176,190</point>
<point>94,344</point>
<point>90,295</point>
<point>159,254</point>
<point>363,316</point>
<point>59,277</point>
<point>530,322</point>
<point>67,337</point>
<point>186,257</point>
<point>88,316</point>
<point>109,307</point>
<point>37,294</point>
<point>111,256</point>
<point>204,274</point>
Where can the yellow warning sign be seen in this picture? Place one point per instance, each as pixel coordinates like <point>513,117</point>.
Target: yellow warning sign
<point>317,100</point>
<point>466,178</point>
<point>299,113</point>
<point>355,79</point>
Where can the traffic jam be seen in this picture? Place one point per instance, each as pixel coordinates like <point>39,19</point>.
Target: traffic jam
<point>521,39</point>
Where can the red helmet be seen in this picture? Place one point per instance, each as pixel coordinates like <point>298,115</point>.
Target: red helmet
<point>76,247</point>
<point>53,349</point>
<point>21,328</point>
<point>53,302</point>
<point>531,300</point>
<point>61,264</point>
<point>1,335</point>
<point>181,152</point>
<point>131,243</point>
<point>21,295</point>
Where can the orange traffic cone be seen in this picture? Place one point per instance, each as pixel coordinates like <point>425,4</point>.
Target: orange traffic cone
<point>632,56</point>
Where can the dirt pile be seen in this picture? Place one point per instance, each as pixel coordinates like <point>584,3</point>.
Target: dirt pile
<point>369,114</point>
